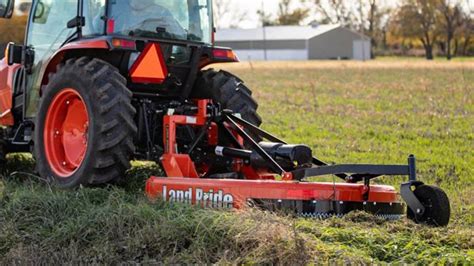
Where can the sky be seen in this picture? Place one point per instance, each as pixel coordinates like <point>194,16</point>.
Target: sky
<point>250,7</point>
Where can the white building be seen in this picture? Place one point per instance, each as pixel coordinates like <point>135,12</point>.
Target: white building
<point>296,43</point>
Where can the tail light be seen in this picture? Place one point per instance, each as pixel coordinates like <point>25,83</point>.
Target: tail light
<point>225,55</point>
<point>124,44</point>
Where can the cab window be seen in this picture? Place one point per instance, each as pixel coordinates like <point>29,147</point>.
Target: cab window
<point>48,29</point>
<point>94,12</point>
<point>46,33</point>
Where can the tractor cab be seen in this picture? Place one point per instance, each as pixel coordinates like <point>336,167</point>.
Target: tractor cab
<point>58,29</point>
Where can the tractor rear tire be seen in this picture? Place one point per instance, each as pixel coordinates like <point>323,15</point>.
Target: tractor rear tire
<point>230,92</point>
<point>91,140</point>
<point>436,203</point>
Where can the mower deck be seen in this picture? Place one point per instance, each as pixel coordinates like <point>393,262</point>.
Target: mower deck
<point>271,175</point>
<point>307,199</point>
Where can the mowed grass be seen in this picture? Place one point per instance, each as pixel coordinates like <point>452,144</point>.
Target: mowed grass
<point>348,112</point>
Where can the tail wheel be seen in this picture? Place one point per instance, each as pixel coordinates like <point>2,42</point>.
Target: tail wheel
<point>84,129</point>
<point>436,203</point>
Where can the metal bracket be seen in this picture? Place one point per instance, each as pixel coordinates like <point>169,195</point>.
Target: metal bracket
<point>274,166</point>
<point>367,187</point>
<point>370,170</point>
<point>264,134</point>
<point>407,193</point>
<point>409,197</point>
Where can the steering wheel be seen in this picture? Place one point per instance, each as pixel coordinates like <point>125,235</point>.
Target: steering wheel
<point>172,26</point>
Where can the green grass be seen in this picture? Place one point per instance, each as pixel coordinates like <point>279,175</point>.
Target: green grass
<point>347,112</point>
<point>422,58</point>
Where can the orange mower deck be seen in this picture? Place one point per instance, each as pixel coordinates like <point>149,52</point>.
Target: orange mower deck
<point>299,198</point>
<point>256,166</point>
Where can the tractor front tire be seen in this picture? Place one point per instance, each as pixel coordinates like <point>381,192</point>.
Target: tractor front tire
<point>436,203</point>
<point>84,129</point>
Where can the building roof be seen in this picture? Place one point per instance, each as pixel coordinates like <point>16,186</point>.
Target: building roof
<point>274,33</point>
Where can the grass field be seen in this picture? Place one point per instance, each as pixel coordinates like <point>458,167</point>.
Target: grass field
<point>372,112</point>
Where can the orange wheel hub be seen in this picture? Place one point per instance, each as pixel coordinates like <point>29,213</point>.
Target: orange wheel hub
<point>66,132</point>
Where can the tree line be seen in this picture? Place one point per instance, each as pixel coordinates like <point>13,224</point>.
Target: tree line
<point>445,27</point>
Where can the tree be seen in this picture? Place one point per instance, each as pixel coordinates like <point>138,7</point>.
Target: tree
<point>372,19</point>
<point>289,16</point>
<point>13,30</point>
<point>466,32</point>
<point>368,17</point>
<point>265,18</point>
<point>450,20</point>
<point>226,14</point>
<point>336,12</point>
<point>417,19</point>
<point>286,14</point>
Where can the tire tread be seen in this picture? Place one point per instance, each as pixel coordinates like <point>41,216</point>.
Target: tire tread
<point>114,120</point>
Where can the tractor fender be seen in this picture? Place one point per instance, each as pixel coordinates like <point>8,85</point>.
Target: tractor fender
<point>7,74</point>
<point>59,55</point>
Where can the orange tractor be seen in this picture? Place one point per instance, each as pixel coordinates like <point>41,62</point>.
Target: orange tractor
<point>98,83</point>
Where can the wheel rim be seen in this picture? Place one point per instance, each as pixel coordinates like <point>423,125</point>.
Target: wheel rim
<point>66,132</point>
